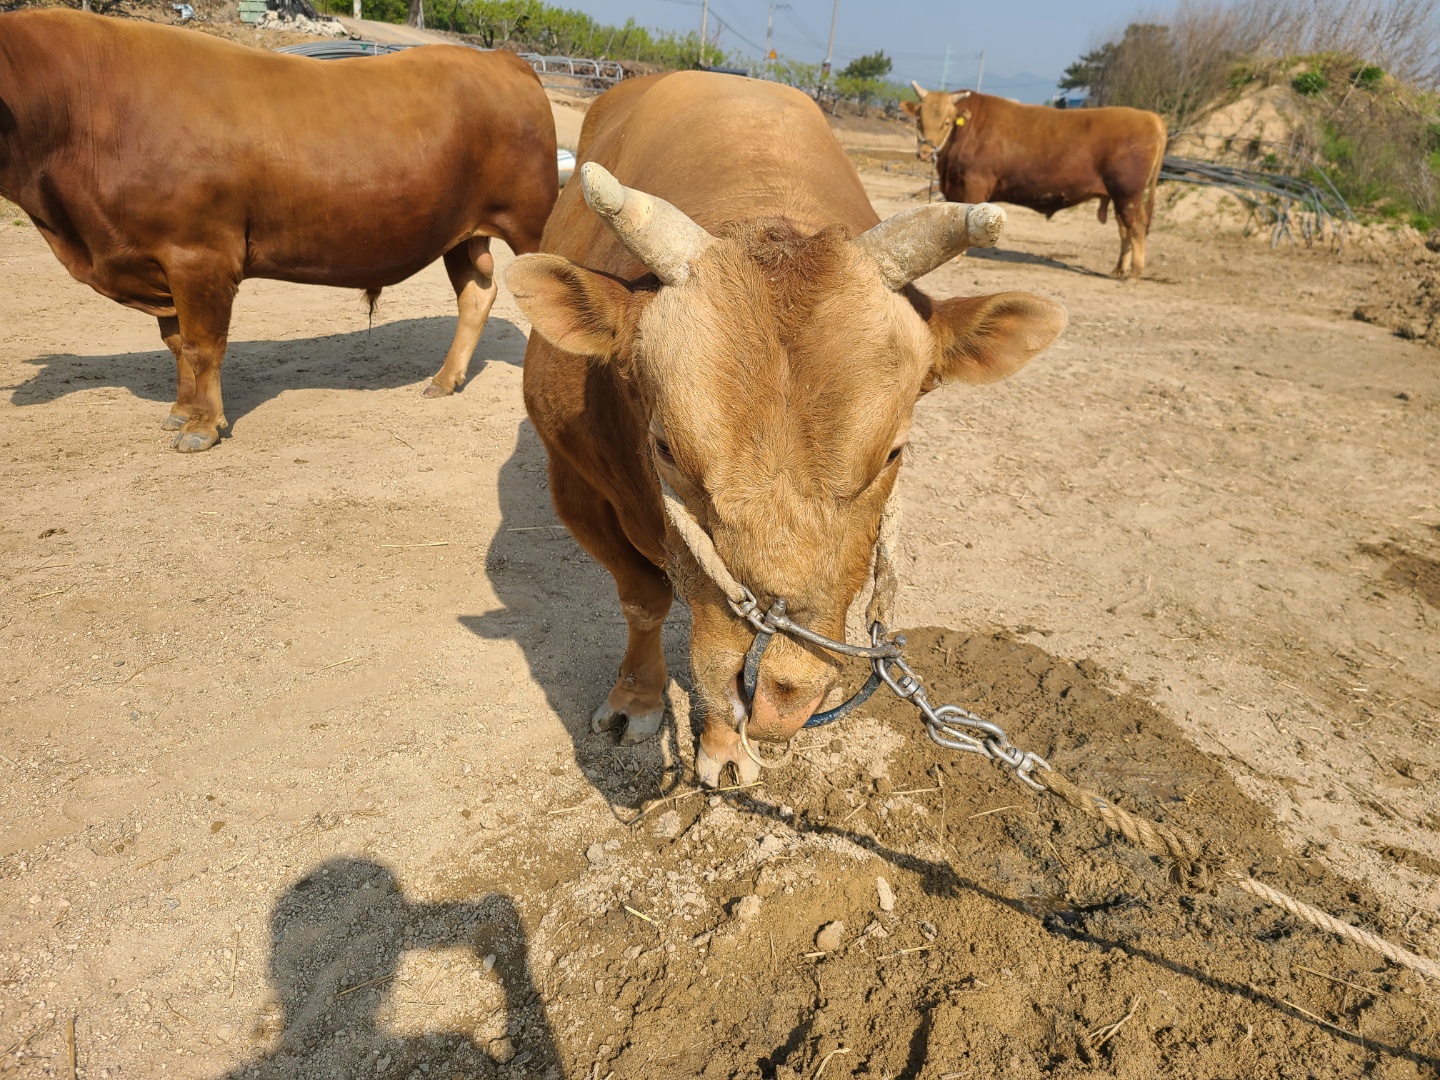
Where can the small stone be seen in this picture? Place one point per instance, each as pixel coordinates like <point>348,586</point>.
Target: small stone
<point>928,930</point>
<point>748,909</point>
<point>831,936</point>
<point>668,825</point>
<point>488,963</point>
<point>612,845</point>
<point>885,893</point>
<point>714,800</point>
<point>632,952</point>
<point>770,845</point>
<point>787,811</point>
<point>596,856</point>
<point>502,1050</point>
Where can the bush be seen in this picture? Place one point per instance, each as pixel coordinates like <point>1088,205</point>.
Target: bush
<point>1309,83</point>
<point>1369,76</point>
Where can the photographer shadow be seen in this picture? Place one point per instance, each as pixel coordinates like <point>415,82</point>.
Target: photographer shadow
<point>338,936</point>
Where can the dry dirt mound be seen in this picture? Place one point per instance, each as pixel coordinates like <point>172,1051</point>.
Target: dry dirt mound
<point>1008,938</point>
<point>1241,129</point>
<point>1408,303</point>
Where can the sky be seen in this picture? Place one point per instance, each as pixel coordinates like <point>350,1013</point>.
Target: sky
<point>1027,43</point>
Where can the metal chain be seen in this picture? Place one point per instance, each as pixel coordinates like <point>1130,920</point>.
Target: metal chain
<point>945,725</point>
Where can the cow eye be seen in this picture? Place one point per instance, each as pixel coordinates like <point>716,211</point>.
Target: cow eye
<point>894,454</point>
<point>663,449</point>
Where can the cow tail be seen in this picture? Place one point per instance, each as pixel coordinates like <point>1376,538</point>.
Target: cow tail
<point>1154,183</point>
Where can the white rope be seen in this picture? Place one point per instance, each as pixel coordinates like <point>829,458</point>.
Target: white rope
<point>700,544</point>
<point>1316,917</point>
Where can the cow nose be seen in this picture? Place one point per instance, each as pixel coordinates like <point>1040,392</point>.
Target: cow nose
<point>780,708</point>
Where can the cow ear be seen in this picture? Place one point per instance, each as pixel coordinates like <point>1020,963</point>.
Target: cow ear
<point>910,108</point>
<point>574,309</point>
<point>985,339</point>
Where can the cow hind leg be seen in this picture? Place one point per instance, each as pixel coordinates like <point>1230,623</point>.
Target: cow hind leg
<point>202,308</point>
<point>637,699</point>
<point>472,272</point>
<point>1128,214</point>
<point>184,375</point>
<point>1137,247</point>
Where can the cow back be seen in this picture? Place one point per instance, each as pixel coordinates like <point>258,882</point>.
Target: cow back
<point>719,147</point>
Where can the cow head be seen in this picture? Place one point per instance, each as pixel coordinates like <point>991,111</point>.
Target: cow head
<point>937,118</point>
<point>778,372</point>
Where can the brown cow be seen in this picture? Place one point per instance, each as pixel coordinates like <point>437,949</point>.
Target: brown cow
<point>752,338</point>
<point>1046,159</point>
<point>164,167</point>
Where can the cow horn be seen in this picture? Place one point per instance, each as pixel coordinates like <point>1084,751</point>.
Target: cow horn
<point>652,230</point>
<point>920,91</point>
<point>916,241</point>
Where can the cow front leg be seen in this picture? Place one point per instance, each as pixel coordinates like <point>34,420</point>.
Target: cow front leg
<point>202,308</point>
<point>472,273</point>
<point>184,375</point>
<point>637,698</point>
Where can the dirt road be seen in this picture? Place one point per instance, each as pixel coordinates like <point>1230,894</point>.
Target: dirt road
<point>297,780</point>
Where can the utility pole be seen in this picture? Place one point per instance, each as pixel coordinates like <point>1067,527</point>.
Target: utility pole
<point>830,49</point>
<point>704,26</point>
<point>770,28</point>
<point>945,71</point>
<point>357,8</point>
<point>980,79</point>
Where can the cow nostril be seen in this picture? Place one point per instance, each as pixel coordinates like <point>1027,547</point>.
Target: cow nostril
<point>780,688</point>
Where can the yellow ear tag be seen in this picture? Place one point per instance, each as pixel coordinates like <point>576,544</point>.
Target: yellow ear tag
<point>959,121</point>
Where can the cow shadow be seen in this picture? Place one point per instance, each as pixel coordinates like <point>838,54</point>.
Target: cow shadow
<point>384,357</point>
<point>338,935</point>
<point>1026,258</point>
<point>560,607</point>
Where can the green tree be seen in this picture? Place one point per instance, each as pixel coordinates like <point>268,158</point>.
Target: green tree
<point>1089,71</point>
<point>875,65</point>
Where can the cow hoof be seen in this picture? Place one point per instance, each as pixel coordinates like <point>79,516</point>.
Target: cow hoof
<point>605,719</point>
<point>433,391</point>
<point>174,423</point>
<point>637,728</point>
<point>640,728</point>
<point>709,769</point>
<point>191,442</point>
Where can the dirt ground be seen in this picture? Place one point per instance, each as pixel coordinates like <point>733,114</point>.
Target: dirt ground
<point>296,778</point>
